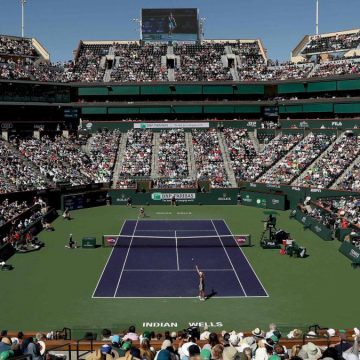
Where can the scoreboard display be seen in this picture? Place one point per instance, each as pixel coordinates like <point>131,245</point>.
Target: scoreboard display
<point>170,24</point>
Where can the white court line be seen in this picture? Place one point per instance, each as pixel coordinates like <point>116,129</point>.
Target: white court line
<point>177,252</point>
<point>267,295</point>
<point>184,230</point>
<point>229,259</point>
<point>172,297</point>
<point>127,254</point>
<point>108,259</point>
<point>167,270</point>
<point>193,220</point>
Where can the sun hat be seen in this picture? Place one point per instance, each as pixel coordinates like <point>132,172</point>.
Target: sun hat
<point>234,340</point>
<point>205,335</point>
<point>313,352</point>
<point>230,353</point>
<point>6,340</point>
<point>257,332</point>
<point>166,343</point>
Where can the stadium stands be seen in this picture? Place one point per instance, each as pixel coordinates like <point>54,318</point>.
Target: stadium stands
<point>61,160</point>
<point>135,62</point>
<point>319,160</point>
<point>342,41</point>
<point>351,180</point>
<point>16,173</point>
<point>271,153</point>
<point>137,156</point>
<point>298,159</point>
<point>201,62</point>
<point>209,159</point>
<point>329,167</point>
<point>103,148</point>
<point>244,60</point>
<point>179,345</point>
<point>241,150</point>
<point>173,167</point>
<point>347,208</point>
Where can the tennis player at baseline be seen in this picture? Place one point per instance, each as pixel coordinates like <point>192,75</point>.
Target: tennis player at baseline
<point>201,284</point>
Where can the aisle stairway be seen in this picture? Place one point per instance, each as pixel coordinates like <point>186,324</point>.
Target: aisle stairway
<point>226,158</point>
<point>155,156</point>
<point>119,158</point>
<point>190,155</point>
<point>255,141</point>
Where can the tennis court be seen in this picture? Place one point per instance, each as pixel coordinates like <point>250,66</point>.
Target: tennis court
<point>157,258</point>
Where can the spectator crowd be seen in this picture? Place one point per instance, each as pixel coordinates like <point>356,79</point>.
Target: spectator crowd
<point>332,164</point>
<point>61,159</point>
<point>205,345</point>
<point>208,61</point>
<point>138,154</point>
<point>298,159</point>
<point>270,154</point>
<point>201,62</point>
<point>241,150</point>
<point>351,180</point>
<point>209,159</point>
<point>103,148</point>
<point>17,174</point>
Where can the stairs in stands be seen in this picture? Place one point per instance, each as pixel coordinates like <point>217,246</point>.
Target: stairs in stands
<point>190,155</point>
<point>86,148</point>
<point>119,158</point>
<point>297,181</point>
<point>107,75</point>
<point>255,141</point>
<point>349,168</point>
<point>226,158</point>
<point>155,156</point>
<point>170,50</point>
<point>313,70</point>
<point>228,50</point>
<point>234,74</point>
<point>171,74</point>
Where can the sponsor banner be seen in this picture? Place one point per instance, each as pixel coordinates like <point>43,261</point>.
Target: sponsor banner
<point>263,200</point>
<point>171,125</point>
<point>316,227</point>
<point>175,324</point>
<point>350,251</point>
<point>181,197</point>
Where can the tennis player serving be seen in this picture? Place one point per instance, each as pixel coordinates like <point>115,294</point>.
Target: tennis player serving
<point>201,284</point>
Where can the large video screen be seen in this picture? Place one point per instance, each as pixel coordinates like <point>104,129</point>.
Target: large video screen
<point>170,24</point>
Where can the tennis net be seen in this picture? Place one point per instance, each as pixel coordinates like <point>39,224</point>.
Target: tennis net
<point>147,241</point>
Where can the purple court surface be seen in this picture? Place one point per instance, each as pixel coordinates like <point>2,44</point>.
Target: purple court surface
<point>167,270</point>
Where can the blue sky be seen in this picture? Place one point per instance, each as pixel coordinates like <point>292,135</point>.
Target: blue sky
<point>60,24</point>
